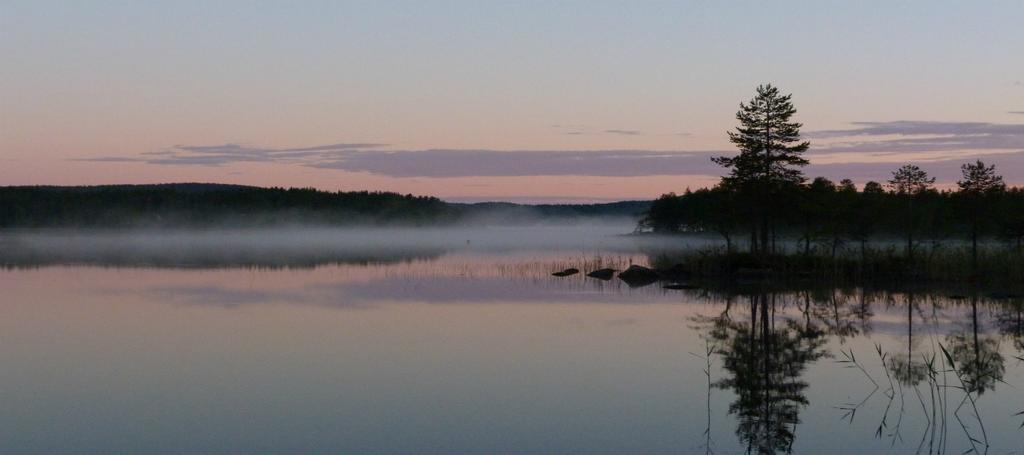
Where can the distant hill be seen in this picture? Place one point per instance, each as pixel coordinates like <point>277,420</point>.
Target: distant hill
<point>211,204</point>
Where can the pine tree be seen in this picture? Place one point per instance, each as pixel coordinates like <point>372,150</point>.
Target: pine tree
<point>770,156</point>
<point>978,181</point>
<point>909,182</point>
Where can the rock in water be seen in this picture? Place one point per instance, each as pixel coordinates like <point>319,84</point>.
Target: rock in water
<point>676,272</point>
<point>637,275</point>
<point>567,272</point>
<point>602,274</point>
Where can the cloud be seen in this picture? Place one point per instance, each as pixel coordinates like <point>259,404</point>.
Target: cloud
<point>219,155</point>
<point>460,163</point>
<point>576,130</point>
<point>920,136</point>
<point>493,163</point>
<point>872,149</point>
<point>437,162</point>
<point>867,150</point>
<point>946,170</point>
<point>107,159</point>
<point>912,127</point>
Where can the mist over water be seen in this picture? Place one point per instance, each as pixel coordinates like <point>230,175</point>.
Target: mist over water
<point>460,339</point>
<point>306,246</point>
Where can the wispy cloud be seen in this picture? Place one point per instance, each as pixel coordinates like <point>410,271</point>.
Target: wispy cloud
<point>107,159</point>
<point>919,136</point>
<point>913,127</point>
<point>494,163</point>
<point>623,132</point>
<point>220,155</point>
<point>435,162</point>
<point>867,150</point>
<point>945,170</point>
<point>576,130</point>
<point>871,149</point>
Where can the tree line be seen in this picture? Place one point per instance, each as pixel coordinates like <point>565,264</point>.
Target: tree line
<point>208,205</point>
<point>765,197</point>
<point>204,204</point>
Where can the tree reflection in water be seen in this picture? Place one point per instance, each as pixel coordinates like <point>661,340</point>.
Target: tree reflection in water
<point>764,358</point>
<point>979,362</point>
<point>1010,320</point>
<point>763,361</point>
<point>906,367</point>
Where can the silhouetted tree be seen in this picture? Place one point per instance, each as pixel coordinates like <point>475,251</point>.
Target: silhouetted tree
<point>873,187</point>
<point>815,211</point>
<point>864,215</point>
<point>719,211</point>
<point>1013,229</point>
<point>909,182</point>
<point>978,181</point>
<point>770,156</point>
<point>844,214</point>
<point>667,214</point>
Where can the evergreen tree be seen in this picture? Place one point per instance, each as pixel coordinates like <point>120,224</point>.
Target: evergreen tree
<point>865,215</point>
<point>910,179</point>
<point>978,181</point>
<point>873,187</point>
<point>770,156</point>
<point>909,182</point>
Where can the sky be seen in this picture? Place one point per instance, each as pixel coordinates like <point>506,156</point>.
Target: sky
<point>520,101</point>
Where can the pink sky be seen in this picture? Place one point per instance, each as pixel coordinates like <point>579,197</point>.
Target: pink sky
<point>111,93</point>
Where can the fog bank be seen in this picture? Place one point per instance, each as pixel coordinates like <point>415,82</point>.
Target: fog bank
<point>309,246</point>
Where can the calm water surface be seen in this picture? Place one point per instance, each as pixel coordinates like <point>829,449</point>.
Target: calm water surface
<point>479,349</point>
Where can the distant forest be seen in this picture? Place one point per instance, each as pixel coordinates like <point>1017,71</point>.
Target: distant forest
<point>830,215</point>
<point>201,204</point>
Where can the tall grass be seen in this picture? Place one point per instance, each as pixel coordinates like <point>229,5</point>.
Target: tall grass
<point>995,266</point>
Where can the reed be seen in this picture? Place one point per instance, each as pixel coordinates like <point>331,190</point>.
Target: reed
<point>995,266</point>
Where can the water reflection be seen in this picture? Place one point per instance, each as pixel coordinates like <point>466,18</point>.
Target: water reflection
<point>979,361</point>
<point>785,367</point>
<point>927,374</point>
<point>908,366</point>
<point>764,360</point>
<point>1010,321</point>
<point>308,247</point>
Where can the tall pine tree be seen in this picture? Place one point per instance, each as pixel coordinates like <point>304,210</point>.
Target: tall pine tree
<point>770,158</point>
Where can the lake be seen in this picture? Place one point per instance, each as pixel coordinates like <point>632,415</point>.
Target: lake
<point>461,341</point>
